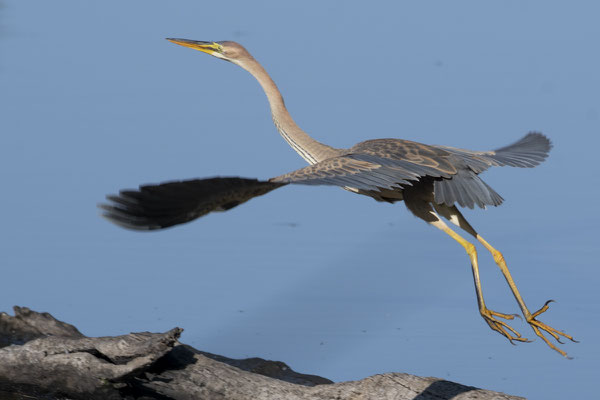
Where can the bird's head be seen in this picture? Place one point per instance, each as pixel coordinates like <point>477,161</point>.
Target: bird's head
<point>228,51</point>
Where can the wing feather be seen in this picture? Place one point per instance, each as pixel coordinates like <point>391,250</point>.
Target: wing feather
<point>172,203</point>
<point>467,189</point>
<point>529,151</point>
<point>361,171</point>
<point>373,165</point>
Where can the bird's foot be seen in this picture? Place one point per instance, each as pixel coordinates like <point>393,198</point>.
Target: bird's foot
<point>538,327</point>
<point>500,326</point>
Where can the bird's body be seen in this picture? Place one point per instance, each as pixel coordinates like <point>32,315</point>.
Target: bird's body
<point>385,168</point>
<point>432,180</point>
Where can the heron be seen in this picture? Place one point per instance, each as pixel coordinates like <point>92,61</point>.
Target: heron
<point>432,181</point>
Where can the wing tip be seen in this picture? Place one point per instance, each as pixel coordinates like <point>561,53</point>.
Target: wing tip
<point>121,217</point>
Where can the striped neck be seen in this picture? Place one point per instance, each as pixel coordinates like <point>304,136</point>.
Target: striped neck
<point>307,147</point>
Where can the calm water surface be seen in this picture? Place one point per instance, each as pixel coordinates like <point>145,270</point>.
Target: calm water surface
<point>94,100</point>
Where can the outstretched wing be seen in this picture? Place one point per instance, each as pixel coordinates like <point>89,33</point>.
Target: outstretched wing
<point>529,151</point>
<point>458,180</point>
<point>454,182</point>
<point>374,165</point>
<point>362,171</point>
<point>468,189</point>
<point>171,203</point>
<point>163,205</point>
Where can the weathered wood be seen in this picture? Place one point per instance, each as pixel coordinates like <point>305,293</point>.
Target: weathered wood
<point>44,358</point>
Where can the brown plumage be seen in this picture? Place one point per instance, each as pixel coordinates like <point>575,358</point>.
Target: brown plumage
<point>432,180</point>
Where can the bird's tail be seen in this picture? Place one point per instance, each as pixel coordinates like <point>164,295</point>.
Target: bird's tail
<point>160,206</point>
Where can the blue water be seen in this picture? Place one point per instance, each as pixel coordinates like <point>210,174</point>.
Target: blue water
<point>94,100</point>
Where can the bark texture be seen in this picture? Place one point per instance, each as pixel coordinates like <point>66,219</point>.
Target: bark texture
<point>43,358</point>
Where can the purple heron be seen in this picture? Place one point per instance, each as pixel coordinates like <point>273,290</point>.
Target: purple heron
<point>432,181</point>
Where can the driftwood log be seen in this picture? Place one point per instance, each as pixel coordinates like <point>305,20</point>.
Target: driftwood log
<point>43,358</point>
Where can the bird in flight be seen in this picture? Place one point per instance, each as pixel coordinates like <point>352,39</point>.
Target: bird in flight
<point>431,180</point>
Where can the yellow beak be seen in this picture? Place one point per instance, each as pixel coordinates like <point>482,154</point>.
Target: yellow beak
<point>206,47</point>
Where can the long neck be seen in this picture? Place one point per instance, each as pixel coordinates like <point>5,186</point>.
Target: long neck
<point>308,148</point>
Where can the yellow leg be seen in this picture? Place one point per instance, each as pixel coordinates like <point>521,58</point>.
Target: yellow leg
<point>454,216</point>
<point>536,325</point>
<point>488,315</point>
